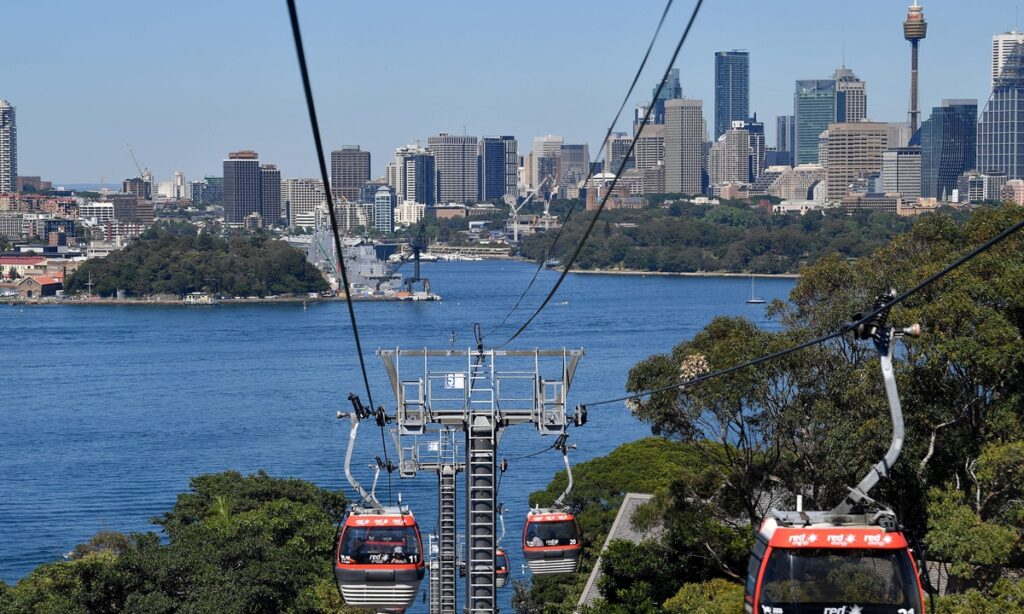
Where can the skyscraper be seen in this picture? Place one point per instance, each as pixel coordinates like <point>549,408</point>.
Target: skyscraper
<point>270,194</point>
<point>814,108</point>
<point>852,92</point>
<point>758,150</point>
<point>1002,46</point>
<point>8,148</point>
<point>546,150</point>
<point>785,136</point>
<point>901,171</point>
<point>499,167</point>
<point>650,147</point>
<point>684,137</point>
<point>573,167</point>
<point>384,209</point>
<point>1001,129</point>
<point>854,152</point>
<point>615,150</point>
<point>670,90</point>
<point>350,169</point>
<point>732,89</point>
<point>455,161</point>
<point>949,141</point>
<point>729,158</point>
<point>914,30</point>
<point>301,197</point>
<point>241,186</point>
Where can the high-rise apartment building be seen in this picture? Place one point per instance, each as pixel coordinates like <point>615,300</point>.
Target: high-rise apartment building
<point>8,148</point>
<point>854,152</point>
<point>814,108</point>
<point>241,186</point>
<point>1002,46</point>
<point>729,158</point>
<point>384,209</point>
<point>949,140</point>
<point>455,162</point>
<point>499,167</point>
<point>901,172</point>
<point>670,90</point>
<point>413,175</point>
<point>300,198</point>
<point>270,194</point>
<point>852,93</point>
<point>350,169</point>
<point>615,150</point>
<point>684,137</point>
<point>732,89</point>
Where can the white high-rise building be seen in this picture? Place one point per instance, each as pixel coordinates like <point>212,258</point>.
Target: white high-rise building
<point>855,92</point>
<point>1002,46</point>
<point>300,198</point>
<point>8,148</point>
<point>684,138</point>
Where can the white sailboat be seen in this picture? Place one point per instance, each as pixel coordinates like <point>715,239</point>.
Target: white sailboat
<point>754,300</point>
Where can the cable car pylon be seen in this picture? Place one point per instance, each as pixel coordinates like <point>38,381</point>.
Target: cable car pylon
<point>855,557</point>
<point>468,391</point>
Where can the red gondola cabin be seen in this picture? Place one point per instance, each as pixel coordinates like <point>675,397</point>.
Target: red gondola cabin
<point>551,542</point>
<point>379,561</point>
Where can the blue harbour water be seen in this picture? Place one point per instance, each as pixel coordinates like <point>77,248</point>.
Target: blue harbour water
<point>108,410</point>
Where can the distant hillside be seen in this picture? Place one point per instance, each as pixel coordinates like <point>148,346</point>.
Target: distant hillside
<point>172,259</point>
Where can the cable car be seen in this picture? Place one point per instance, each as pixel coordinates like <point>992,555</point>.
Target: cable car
<point>501,568</point>
<point>551,541</point>
<point>828,566</point>
<point>379,559</point>
<point>551,537</point>
<point>853,559</point>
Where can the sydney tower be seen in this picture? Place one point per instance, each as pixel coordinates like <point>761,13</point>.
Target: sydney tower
<point>914,29</point>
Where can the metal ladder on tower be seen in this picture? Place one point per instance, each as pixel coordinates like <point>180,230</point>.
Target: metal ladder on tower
<point>446,473</point>
<point>481,447</point>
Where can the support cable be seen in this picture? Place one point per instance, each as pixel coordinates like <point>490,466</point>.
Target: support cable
<point>822,339</point>
<point>615,180</point>
<point>325,177</point>
<point>590,173</point>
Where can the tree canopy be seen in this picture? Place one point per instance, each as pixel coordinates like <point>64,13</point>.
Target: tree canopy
<point>815,421</point>
<point>234,544</point>
<point>731,237</point>
<point>173,258</point>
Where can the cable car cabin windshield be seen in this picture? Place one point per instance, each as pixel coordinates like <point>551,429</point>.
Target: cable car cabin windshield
<point>559,533</point>
<point>379,546</point>
<point>805,580</point>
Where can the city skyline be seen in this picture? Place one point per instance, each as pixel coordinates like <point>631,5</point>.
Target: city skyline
<point>190,130</point>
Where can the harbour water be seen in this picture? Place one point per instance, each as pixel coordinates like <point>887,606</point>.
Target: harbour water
<point>108,410</point>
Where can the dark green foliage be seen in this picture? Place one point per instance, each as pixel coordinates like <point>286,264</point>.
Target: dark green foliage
<point>682,237</point>
<point>171,258</point>
<point>235,545</point>
<point>648,568</point>
<point>817,420</point>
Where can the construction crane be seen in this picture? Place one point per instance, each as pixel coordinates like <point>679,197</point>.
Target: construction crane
<point>134,159</point>
<point>515,209</point>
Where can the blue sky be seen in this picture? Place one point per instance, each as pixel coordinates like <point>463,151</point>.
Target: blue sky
<point>187,81</point>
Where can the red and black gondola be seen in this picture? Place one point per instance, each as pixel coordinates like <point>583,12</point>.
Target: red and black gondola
<point>857,568</point>
<point>551,542</point>
<point>501,568</point>
<point>379,559</point>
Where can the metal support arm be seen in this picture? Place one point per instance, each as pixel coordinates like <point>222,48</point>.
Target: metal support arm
<point>560,501</point>
<point>364,496</point>
<point>884,342</point>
